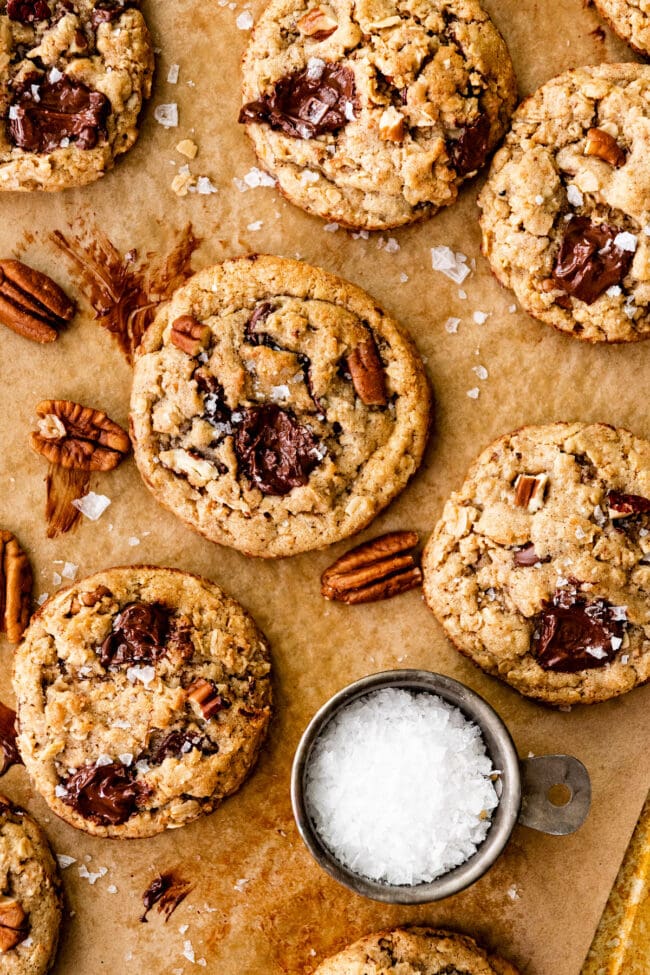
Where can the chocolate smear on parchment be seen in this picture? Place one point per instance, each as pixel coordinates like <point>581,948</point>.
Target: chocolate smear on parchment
<point>125,290</point>
<point>165,892</point>
<point>9,754</point>
<point>63,486</point>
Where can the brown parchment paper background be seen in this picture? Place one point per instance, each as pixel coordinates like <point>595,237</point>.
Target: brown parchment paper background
<point>260,905</point>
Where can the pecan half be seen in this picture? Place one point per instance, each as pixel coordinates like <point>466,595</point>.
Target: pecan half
<point>530,490</point>
<point>189,335</point>
<point>379,569</point>
<point>13,924</point>
<point>204,697</point>
<point>367,373</point>
<point>605,146</point>
<point>31,304</point>
<point>78,437</point>
<point>15,587</point>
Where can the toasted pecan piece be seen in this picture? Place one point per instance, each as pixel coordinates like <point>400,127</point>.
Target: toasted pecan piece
<point>78,437</point>
<point>204,696</point>
<point>190,335</point>
<point>602,144</point>
<point>31,304</point>
<point>367,372</point>
<point>530,491</point>
<point>379,569</point>
<point>15,587</point>
<point>13,924</point>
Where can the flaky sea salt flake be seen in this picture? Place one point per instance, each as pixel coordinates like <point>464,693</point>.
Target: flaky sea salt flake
<point>92,505</point>
<point>65,861</point>
<point>166,115</point>
<point>245,20</point>
<point>452,265</point>
<point>173,73</point>
<point>451,325</point>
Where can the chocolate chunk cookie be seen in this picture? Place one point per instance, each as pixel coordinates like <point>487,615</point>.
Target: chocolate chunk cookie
<point>373,114</point>
<point>75,74</point>
<point>415,951</point>
<point>539,569</point>
<point>275,407</point>
<point>630,19</point>
<point>30,895</point>
<point>566,209</point>
<point>143,699</point>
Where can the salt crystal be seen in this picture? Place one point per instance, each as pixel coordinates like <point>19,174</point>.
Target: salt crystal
<point>451,325</point>
<point>142,766</point>
<point>204,186</point>
<point>121,723</point>
<point>279,393</point>
<point>480,371</point>
<point>574,196</point>
<point>245,20</point>
<point>92,878</point>
<point>625,658</point>
<point>60,791</point>
<point>619,613</point>
<point>182,928</point>
<point>55,75</point>
<point>255,225</point>
<point>315,68</point>
<point>166,115</point>
<point>513,893</point>
<point>172,74</point>
<point>599,516</point>
<point>44,596</point>
<point>188,951</point>
<point>56,579</point>
<point>452,265</point>
<point>403,278</point>
<point>580,533</point>
<point>614,291</point>
<point>28,942</point>
<point>13,112</point>
<point>254,177</point>
<point>626,241</point>
<point>309,176</point>
<point>69,570</point>
<point>133,541</point>
<point>126,758</point>
<point>462,295</point>
<point>391,246</point>
<point>65,861</point>
<point>539,199</point>
<point>240,884</point>
<point>104,759</point>
<point>92,505</point>
<point>398,786</point>
<point>144,674</point>
<point>331,228</point>
<point>512,309</point>
<point>473,393</point>
<point>480,317</point>
<point>598,652</point>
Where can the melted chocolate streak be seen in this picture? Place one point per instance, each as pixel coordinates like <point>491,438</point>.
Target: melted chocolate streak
<point>166,891</point>
<point>8,747</point>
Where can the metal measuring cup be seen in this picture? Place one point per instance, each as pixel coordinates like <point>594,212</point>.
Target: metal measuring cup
<point>522,788</point>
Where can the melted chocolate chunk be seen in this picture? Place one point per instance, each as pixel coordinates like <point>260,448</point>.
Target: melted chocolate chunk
<point>108,10</point>
<point>139,635</point>
<point>28,11</point>
<point>251,332</point>
<point>274,451</point>
<point>46,112</point>
<point>589,261</point>
<point>215,408</point>
<point>625,505</point>
<point>308,103</point>
<point>9,754</point>
<point>468,152</point>
<point>105,794</point>
<point>167,891</point>
<point>174,744</point>
<point>572,634</point>
<point>527,556</point>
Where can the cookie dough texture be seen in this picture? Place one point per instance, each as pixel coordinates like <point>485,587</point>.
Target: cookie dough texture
<point>75,711</point>
<point>111,56</point>
<point>542,176</point>
<point>415,951</point>
<point>630,19</point>
<point>488,604</point>
<point>29,875</point>
<point>436,68</point>
<point>280,334</point>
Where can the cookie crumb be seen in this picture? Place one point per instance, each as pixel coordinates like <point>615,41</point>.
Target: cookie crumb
<point>187,148</point>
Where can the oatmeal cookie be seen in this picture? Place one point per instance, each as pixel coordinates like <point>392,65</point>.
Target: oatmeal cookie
<point>30,895</point>
<point>630,19</point>
<point>275,407</point>
<point>372,114</point>
<point>566,209</point>
<point>415,951</point>
<point>539,569</point>
<point>143,700</point>
<point>73,77</point>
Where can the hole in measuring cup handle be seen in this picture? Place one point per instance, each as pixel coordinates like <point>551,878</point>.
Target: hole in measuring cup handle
<point>540,775</point>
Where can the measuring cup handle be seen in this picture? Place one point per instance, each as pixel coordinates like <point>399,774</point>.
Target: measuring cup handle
<point>538,776</point>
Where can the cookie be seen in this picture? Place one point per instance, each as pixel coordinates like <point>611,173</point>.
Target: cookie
<point>276,408</point>
<point>74,77</point>
<point>31,900</point>
<point>415,951</point>
<point>143,699</point>
<point>566,208</point>
<point>372,114</point>
<point>630,19</point>
<point>539,569</point>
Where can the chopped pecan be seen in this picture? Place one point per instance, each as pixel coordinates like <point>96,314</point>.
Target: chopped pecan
<point>530,490</point>
<point>391,125</point>
<point>31,304</point>
<point>15,587</point>
<point>605,146</point>
<point>318,23</point>
<point>367,373</point>
<point>13,924</point>
<point>205,698</point>
<point>189,335</point>
<point>379,569</point>
<point>624,505</point>
<point>91,441</point>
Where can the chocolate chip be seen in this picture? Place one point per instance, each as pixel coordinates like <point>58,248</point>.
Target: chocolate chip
<point>108,10</point>
<point>215,408</point>
<point>175,744</point>
<point>44,113</point>
<point>527,556</point>
<point>275,452</point>
<point>572,634</point>
<point>589,261</point>
<point>139,635</point>
<point>319,99</point>
<point>468,152</point>
<point>105,794</point>
<point>167,891</point>
<point>28,11</point>
<point>9,754</point>
<point>251,332</point>
<point>624,505</point>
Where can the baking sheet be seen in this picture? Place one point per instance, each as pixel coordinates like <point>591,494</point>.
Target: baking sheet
<point>259,903</point>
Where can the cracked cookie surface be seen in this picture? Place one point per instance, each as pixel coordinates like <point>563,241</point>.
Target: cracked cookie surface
<point>372,114</point>
<point>143,699</point>
<point>566,211</point>
<point>415,951</point>
<point>539,568</point>
<point>276,408</point>
<point>73,77</point>
<point>630,19</point>
<point>31,898</point>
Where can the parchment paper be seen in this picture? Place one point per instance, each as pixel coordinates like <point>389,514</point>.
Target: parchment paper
<point>260,904</point>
